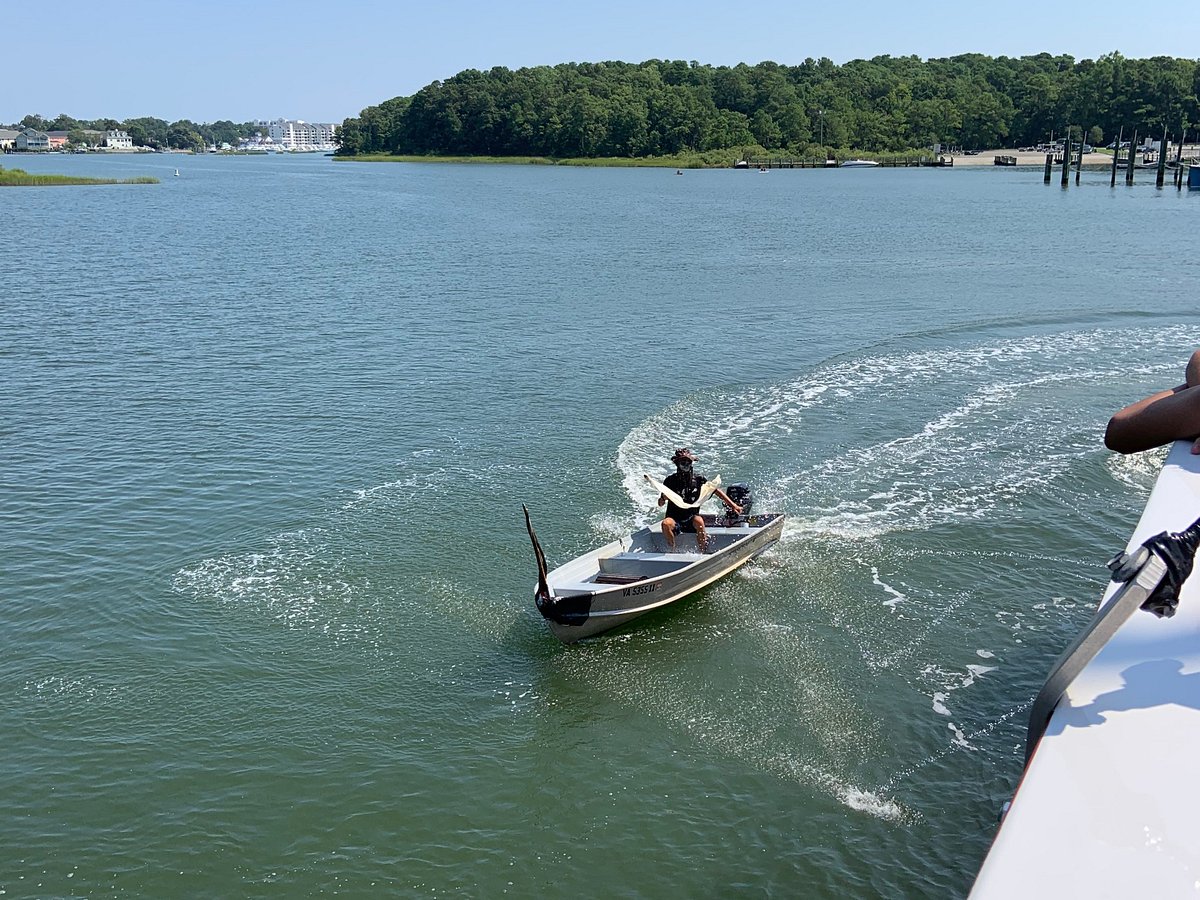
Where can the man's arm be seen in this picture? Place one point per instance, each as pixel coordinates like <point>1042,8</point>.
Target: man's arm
<point>725,499</point>
<point>1167,416</point>
<point>1163,417</point>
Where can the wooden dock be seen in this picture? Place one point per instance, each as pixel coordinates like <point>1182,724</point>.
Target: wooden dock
<point>815,162</point>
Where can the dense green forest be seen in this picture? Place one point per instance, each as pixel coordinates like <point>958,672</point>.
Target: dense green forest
<point>147,131</point>
<point>617,109</point>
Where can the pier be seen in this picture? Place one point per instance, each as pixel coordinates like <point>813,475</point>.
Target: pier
<point>816,162</point>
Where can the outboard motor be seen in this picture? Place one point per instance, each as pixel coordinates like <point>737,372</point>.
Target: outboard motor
<point>740,494</point>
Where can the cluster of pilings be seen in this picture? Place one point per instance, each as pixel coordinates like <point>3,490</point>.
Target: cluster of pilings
<point>1070,157</point>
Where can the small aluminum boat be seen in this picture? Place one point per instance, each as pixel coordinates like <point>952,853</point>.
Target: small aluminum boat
<point>620,581</point>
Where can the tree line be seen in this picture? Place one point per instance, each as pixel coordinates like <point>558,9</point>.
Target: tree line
<point>885,104</point>
<point>148,131</point>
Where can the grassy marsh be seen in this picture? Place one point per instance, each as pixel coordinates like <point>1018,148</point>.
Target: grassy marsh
<point>21,178</point>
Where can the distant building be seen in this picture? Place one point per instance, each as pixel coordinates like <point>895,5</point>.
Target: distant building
<point>299,135</point>
<point>57,139</point>
<point>8,139</point>
<point>32,139</point>
<point>118,140</point>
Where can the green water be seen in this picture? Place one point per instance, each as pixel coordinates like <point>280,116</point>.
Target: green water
<point>267,429</point>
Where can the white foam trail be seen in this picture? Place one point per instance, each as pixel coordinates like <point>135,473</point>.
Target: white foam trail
<point>960,741</point>
<point>925,439</point>
<point>1137,470</point>
<point>956,465</point>
<point>897,597</point>
<point>299,583</point>
<point>63,687</point>
<point>976,672</point>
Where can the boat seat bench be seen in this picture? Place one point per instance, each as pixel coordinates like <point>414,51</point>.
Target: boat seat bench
<point>638,566</point>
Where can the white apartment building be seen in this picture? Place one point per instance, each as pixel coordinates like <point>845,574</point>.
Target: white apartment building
<point>118,140</point>
<point>300,135</point>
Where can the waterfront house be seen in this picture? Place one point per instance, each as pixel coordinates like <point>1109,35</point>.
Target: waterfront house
<point>32,139</point>
<point>57,139</point>
<point>118,140</point>
<point>8,138</point>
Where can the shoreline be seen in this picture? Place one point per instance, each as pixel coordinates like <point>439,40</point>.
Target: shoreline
<point>1026,158</point>
<point>983,158</point>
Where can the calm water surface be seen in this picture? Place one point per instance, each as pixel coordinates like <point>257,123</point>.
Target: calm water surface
<point>267,427</point>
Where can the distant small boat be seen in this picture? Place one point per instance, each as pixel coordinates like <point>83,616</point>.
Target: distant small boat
<point>176,173</point>
<point>858,164</point>
<point>679,171</point>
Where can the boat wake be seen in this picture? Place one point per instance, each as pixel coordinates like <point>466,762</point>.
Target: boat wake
<point>912,481</point>
<point>896,595</point>
<point>911,440</point>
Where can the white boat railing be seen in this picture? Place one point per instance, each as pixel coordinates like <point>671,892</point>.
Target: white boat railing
<point>1152,577</point>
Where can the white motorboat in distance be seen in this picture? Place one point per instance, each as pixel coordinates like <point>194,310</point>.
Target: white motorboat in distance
<point>627,578</point>
<point>858,164</point>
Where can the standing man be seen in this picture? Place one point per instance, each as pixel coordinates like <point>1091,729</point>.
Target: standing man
<point>687,484</point>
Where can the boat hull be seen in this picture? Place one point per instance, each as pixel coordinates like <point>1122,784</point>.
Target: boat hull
<point>1107,803</point>
<point>584,605</point>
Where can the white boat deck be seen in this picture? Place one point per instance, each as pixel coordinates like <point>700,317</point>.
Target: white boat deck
<point>1109,805</point>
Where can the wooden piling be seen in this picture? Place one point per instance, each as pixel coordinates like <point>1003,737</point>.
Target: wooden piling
<point>1132,154</point>
<point>1049,165</point>
<point>1066,168</point>
<point>1162,160</point>
<point>1116,155</point>
<point>1079,162</point>
<point>1179,158</point>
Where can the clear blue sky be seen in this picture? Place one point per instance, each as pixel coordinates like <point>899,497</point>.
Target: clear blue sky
<point>324,61</point>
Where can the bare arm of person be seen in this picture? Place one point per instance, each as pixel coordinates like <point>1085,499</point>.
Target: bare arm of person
<point>725,499</point>
<point>1161,418</point>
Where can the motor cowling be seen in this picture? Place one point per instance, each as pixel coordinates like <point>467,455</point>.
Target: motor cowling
<point>741,494</point>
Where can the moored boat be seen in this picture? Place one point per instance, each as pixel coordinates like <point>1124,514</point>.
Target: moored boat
<point>858,164</point>
<point>627,578</point>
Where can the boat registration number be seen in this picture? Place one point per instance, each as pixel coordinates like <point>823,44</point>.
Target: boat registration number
<point>640,589</point>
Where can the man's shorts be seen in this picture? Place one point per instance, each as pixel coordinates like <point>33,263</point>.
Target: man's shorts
<point>685,522</point>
